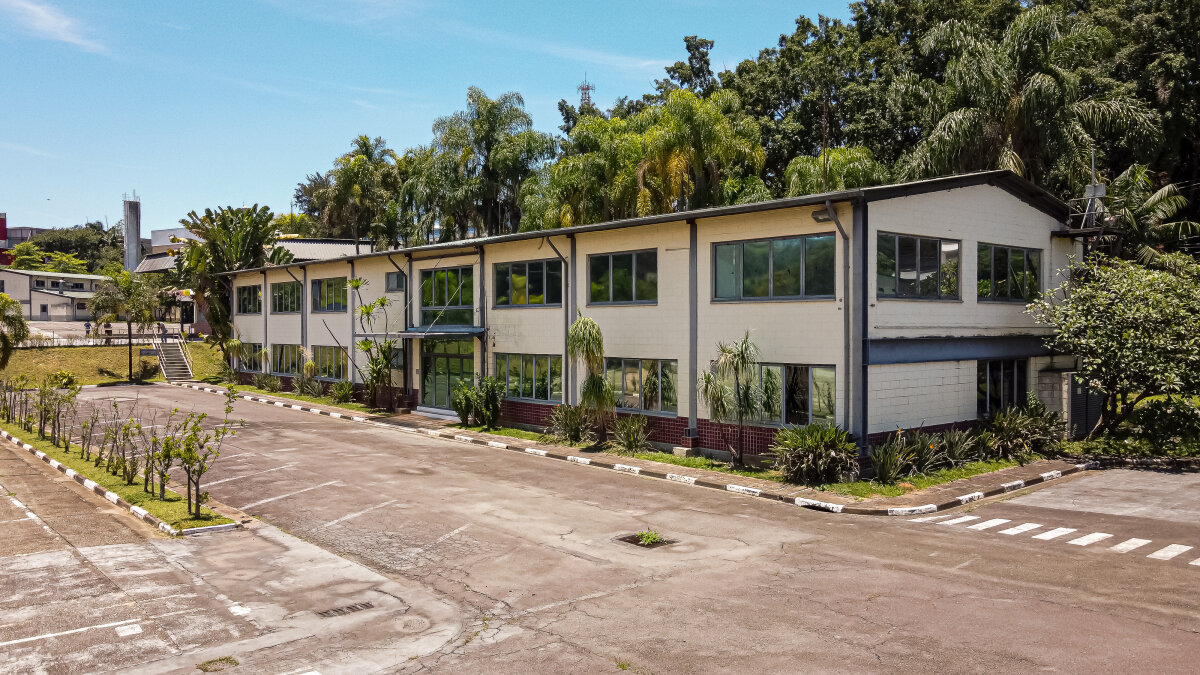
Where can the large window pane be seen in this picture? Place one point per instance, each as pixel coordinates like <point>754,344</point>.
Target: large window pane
<point>819,265</point>
<point>885,265</point>
<point>427,285</point>
<point>541,383</point>
<point>646,289</point>
<point>601,289</point>
<point>824,398</point>
<point>949,269</point>
<point>772,393</point>
<point>439,288</point>
<point>907,266</point>
<point>622,277</point>
<point>650,384</point>
<point>527,375</point>
<point>554,282</point>
<point>556,378</point>
<point>502,287</point>
<point>1033,275</point>
<point>514,375</point>
<point>612,373</point>
<point>536,284</point>
<point>788,263</point>
<point>930,252</point>
<point>1016,273</point>
<point>995,386</point>
<point>519,284</point>
<point>981,388</point>
<point>728,261</point>
<point>756,264</point>
<point>796,409</point>
<point>984,274</point>
<point>667,378</point>
<point>466,278</point>
<point>1000,272</point>
<point>453,288</point>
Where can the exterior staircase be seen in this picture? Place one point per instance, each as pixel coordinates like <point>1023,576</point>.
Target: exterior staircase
<point>172,359</point>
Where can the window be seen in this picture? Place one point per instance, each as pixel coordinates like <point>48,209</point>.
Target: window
<point>796,395</point>
<point>529,283</point>
<point>1,286</point>
<point>76,286</point>
<point>250,360</point>
<point>286,359</point>
<point>39,283</point>
<point>329,295</point>
<point>285,297</point>
<point>793,267</point>
<point>1002,384</point>
<point>533,376</point>
<point>1007,273</point>
<point>79,305</point>
<point>643,384</point>
<point>916,267</point>
<point>624,277</point>
<point>448,296</point>
<point>249,299</point>
<point>55,284</point>
<point>395,282</point>
<point>330,362</point>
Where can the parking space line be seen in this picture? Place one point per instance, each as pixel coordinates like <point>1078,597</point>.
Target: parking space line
<point>1089,539</point>
<point>248,475</point>
<point>359,513</point>
<point>1128,545</point>
<point>987,524</point>
<point>46,636</point>
<point>1020,529</point>
<point>960,519</point>
<point>1054,534</point>
<point>290,494</point>
<point>1168,552</point>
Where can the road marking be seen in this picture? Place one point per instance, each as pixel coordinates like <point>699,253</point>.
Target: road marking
<point>1195,562</point>
<point>439,540</point>
<point>1128,545</point>
<point>256,473</point>
<point>131,629</point>
<point>1054,534</point>
<point>1088,539</point>
<point>926,519</point>
<point>17,520</point>
<point>1023,527</point>
<point>1168,552</point>
<point>359,513</point>
<point>47,636</point>
<point>960,519</point>
<point>238,610</point>
<point>290,494</point>
<point>988,524</point>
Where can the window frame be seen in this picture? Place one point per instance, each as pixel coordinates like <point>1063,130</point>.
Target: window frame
<point>254,358</point>
<point>992,265</point>
<point>299,297</point>
<point>399,288</point>
<point>321,355</point>
<point>783,394</point>
<point>257,296</point>
<point>895,294</point>
<point>501,373</point>
<point>659,412</point>
<point>283,348</point>
<point>771,297</point>
<point>544,262</point>
<point>633,253</point>
<point>318,296</point>
<point>432,272</point>
<point>982,366</point>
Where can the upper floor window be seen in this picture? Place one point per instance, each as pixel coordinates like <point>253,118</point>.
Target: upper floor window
<point>791,267</point>
<point>448,296</point>
<point>532,376</point>
<point>329,295</point>
<point>250,358</point>
<point>917,267</point>
<point>644,384</point>
<point>286,359</point>
<point>529,283</point>
<point>249,299</point>
<point>623,277</point>
<point>1009,273</point>
<point>330,362</point>
<point>395,282</point>
<point>285,297</point>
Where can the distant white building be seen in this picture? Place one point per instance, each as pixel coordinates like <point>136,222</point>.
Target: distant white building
<point>50,296</point>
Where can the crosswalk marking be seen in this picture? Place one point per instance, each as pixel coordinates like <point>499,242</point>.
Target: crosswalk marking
<point>1088,539</point>
<point>1054,534</point>
<point>988,523</point>
<point>960,519</point>
<point>1019,529</point>
<point>926,519</point>
<point>1168,552</point>
<point>1128,545</point>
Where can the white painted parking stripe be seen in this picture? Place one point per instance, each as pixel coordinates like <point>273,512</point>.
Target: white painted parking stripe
<point>359,513</point>
<point>988,524</point>
<point>1023,527</point>
<point>47,636</point>
<point>960,519</point>
<point>1168,552</point>
<point>1195,562</point>
<point>248,475</point>
<point>1128,545</point>
<point>131,629</point>
<point>1054,534</point>
<point>926,519</point>
<point>290,494</point>
<point>1089,539</point>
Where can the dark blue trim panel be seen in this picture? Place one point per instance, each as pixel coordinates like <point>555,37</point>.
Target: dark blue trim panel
<point>883,351</point>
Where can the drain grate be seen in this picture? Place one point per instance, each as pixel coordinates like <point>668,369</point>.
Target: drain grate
<point>348,609</point>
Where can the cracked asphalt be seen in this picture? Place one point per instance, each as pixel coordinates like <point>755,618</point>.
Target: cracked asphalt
<point>524,551</point>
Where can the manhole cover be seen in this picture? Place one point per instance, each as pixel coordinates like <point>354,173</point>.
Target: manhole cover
<point>637,541</point>
<point>348,609</point>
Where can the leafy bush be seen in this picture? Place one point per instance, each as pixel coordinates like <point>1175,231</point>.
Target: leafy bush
<point>462,399</point>
<point>226,374</point>
<point>891,458</point>
<point>630,435</point>
<point>1166,422</point>
<point>487,398</point>
<point>960,446</point>
<point>649,537</point>
<point>307,385</point>
<point>64,379</point>
<point>569,424</point>
<point>815,454</point>
<point>266,382</point>
<point>1020,433</point>
<point>342,391</point>
<point>926,453</point>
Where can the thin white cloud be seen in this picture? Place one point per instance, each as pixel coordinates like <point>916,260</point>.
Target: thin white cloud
<point>632,64</point>
<point>363,104</point>
<point>47,22</point>
<point>17,147</point>
<point>350,12</point>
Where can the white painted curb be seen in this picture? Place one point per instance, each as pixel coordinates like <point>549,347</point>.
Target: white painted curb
<point>912,510</point>
<point>823,506</point>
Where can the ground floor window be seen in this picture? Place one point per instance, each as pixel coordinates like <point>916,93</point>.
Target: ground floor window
<point>796,395</point>
<point>286,359</point>
<point>532,376</point>
<point>330,362</point>
<point>445,363</point>
<point>250,359</point>
<point>644,384</point>
<point>1002,383</point>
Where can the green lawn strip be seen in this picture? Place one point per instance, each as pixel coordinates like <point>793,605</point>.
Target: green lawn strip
<point>322,400</point>
<point>172,511</point>
<point>711,465</point>
<point>206,362</point>
<point>521,434</point>
<point>90,365</point>
<point>864,489</point>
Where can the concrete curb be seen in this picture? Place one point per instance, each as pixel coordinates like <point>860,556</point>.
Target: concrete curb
<point>677,478</point>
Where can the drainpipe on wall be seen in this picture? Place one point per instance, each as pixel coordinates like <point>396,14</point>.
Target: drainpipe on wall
<point>483,337</point>
<point>693,430</point>
<point>566,277</point>
<point>266,306</point>
<point>846,325</point>
<point>570,394</point>
<point>353,331</point>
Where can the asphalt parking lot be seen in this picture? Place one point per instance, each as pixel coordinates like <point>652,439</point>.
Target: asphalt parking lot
<point>524,550</point>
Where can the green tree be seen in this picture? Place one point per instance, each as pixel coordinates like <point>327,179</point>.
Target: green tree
<point>28,256</point>
<point>13,329</point>
<point>1145,217</point>
<point>1132,328</point>
<point>91,242</point>
<point>585,342</point>
<point>125,297</point>
<point>731,390</point>
<point>834,169</point>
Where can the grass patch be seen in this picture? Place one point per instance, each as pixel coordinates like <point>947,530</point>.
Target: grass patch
<point>172,511</point>
<point>92,365</point>
<point>323,400</point>
<point>522,434</point>
<point>206,362</point>
<point>711,465</point>
<point>864,489</point>
<point>217,665</point>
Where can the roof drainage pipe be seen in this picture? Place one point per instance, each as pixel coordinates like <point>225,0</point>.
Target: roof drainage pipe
<point>832,212</point>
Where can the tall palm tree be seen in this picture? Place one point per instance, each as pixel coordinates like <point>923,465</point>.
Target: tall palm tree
<point>732,391</point>
<point>13,329</point>
<point>833,169</point>
<point>127,297</point>
<point>586,343</point>
<point>1019,103</point>
<point>1143,216</point>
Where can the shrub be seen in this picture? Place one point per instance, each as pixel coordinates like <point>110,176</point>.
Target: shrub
<point>226,373</point>
<point>1166,422</point>
<point>569,424</point>
<point>342,391</point>
<point>891,458</point>
<point>926,453</point>
<point>307,385</point>
<point>630,435</point>
<point>486,403</point>
<point>959,446</point>
<point>1020,433</point>
<point>649,537</point>
<point>266,382</point>
<point>815,454</point>
<point>462,399</point>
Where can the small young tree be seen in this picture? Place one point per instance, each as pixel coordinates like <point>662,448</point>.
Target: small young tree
<point>586,343</point>
<point>731,391</point>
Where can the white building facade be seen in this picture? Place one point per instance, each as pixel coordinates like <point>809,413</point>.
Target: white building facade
<point>50,296</point>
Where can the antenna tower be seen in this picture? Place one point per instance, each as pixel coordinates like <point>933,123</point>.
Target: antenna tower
<point>585,92</point>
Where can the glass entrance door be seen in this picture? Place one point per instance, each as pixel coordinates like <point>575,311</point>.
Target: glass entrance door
<point>444,363</point>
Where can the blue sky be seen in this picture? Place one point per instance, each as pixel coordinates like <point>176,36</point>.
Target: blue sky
<point>202,104</point>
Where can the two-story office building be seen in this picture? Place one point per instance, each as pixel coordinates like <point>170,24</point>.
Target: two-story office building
<point>50,296</point>
<point>898,305</point>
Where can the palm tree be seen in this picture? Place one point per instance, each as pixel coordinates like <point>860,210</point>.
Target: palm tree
<point>833,169</point>
<point>731,390</point>
<point>13,329</point>
<point>586,343</point>
<point>1019,103</point>
<point>1142,216</point>
<point>128,297</point>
